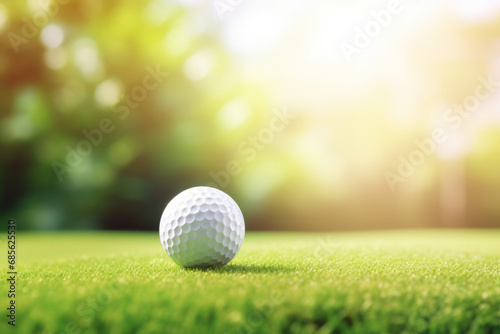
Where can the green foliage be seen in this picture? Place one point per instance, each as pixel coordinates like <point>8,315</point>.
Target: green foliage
<point>169,141</point>
<point>382,282</point>
<point>214,114</point>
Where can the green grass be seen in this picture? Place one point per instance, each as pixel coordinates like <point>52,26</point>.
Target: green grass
<point>371,282</point>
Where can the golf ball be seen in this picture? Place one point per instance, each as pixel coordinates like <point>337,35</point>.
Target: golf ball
<point>202,227</point>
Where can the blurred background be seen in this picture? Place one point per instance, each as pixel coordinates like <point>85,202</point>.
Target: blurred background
<point>323,115</point>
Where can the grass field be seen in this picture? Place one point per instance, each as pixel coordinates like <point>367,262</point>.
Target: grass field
<point>370,282</point>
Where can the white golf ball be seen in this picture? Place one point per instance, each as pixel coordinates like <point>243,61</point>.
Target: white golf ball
<point>202,227</point>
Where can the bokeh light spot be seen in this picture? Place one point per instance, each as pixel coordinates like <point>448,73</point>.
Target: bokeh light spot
<point>86,57</point>
<point>52,36</point>
<point>255,35</point>
<point>30,116</point>
<point>108,92</point>
<point>55,58</point>
<point>199,65</point>
<point>176,41</point>
<point>3,16</point>
<point>234,113</point>
<point>157,12</point>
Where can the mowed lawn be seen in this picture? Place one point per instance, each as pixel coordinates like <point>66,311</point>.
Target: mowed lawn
<point>435,281</point>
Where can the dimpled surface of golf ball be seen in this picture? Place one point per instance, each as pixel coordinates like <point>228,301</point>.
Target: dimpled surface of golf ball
<point>202,227</point>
